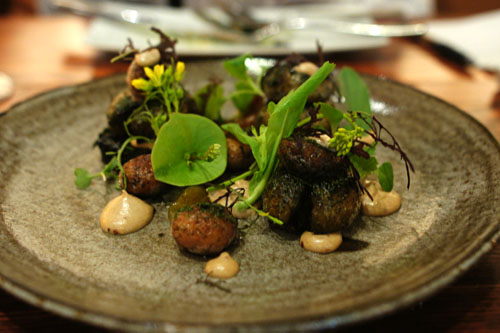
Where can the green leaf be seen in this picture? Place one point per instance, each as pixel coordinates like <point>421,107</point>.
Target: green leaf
<point>255,142</point>
<point>334,116</point>
<point>287,112</point>
<point>365,166</point>
<point>355,92</point>
<point>386,176</point>
<point>210,99</point>
<point>243,95</point>
<point>83,178</point>
<point>236,66</point>
<point>281,124</point>
<point>214,103</point>
<point>183,137</point>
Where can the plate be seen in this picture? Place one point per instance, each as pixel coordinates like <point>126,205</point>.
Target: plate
<point>54,255</point>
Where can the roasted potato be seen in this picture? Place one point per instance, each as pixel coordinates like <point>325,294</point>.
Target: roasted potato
<point>140,177</point>
<point>335,204</point>
<point>311,161</point>
<point>204,229</point>
<point>286,197</point>
<point>239,155</point>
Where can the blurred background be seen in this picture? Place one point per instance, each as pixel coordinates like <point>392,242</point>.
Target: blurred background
<point>437,7</point>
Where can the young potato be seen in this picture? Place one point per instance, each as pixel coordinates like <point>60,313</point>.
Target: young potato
<point>140,177</point>
<point>204,229</point>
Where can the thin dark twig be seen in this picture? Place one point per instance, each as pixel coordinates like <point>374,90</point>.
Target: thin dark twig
<point>321,58</point>
<point>166,45</point>
<point>357,176</point>
<point>377,129</point>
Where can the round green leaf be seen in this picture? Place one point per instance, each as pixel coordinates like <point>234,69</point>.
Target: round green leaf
<point>187,135</point>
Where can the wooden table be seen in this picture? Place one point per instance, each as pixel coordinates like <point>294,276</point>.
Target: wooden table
<point>42,53</point>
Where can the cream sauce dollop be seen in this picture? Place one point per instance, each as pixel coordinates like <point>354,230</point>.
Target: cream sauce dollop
<point>383,203</point>
<point>222,267</point>
<point>320,243</point>
<point>125,214</point>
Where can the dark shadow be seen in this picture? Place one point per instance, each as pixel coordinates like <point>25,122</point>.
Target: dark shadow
<point>352,245</point>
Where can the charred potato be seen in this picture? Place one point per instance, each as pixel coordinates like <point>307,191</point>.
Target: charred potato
<point>204,229</point>
<point>119,110</point>
<point>335,204</point>
<point>140,178</point>
<point>287,75</point>
<point>311,161</point>
<point>108,143</point>
<point>239,155</point>
<point>286,197</point>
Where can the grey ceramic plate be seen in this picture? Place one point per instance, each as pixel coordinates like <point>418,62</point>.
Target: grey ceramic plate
<point>54,255</point>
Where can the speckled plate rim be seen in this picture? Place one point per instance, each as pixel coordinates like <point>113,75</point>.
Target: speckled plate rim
<point>370,311</point>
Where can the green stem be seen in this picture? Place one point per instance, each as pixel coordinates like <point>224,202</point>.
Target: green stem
<point>120,152</point>
<point>233,180</point>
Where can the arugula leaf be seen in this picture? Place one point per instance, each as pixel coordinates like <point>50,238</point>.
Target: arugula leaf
<point>253,141</point>
<point>210,99</point>
<point>355,92</point>
<point>283,120</point>
<point>243,96</point>
<point>236,66</point>
<point>386,176</point>
<point>246,87</point>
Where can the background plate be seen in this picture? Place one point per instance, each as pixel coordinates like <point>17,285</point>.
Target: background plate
<point>54,255</point>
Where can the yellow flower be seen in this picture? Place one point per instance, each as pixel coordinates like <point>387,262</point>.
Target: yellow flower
<point>141,84</point>
<point>159,69</point>
<point>179,70</point>
<point>155,74</point>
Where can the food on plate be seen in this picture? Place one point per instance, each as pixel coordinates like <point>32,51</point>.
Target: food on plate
<point>320,243</point>
<point>125,214</point>
<point>297,151</point>
<point>204,228</point>
<point>289,74</point>
<point>222,267</point>
<point>379,202</point>
<point>140,177</point>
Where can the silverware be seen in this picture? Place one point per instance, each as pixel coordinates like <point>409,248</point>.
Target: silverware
<point>230,24</point>
<point>140,19</point>
<point>232,17</point>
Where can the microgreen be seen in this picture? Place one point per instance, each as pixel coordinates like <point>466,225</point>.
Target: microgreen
<point>83,178</point>
<point>355,93</point>
<point>189,150</point>
<point>209,99</point>
<point>246,87</point>
<point>283,120</point>
<point>386,176</point>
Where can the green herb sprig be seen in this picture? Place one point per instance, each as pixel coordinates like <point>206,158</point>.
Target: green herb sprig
<point>83,178</point>
<point>282,122</point>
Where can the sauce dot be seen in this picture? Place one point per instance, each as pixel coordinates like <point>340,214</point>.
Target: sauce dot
<point>323,243</point>
<point>222,267</point>
<point>383,203</point>
<point>125,214</point>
